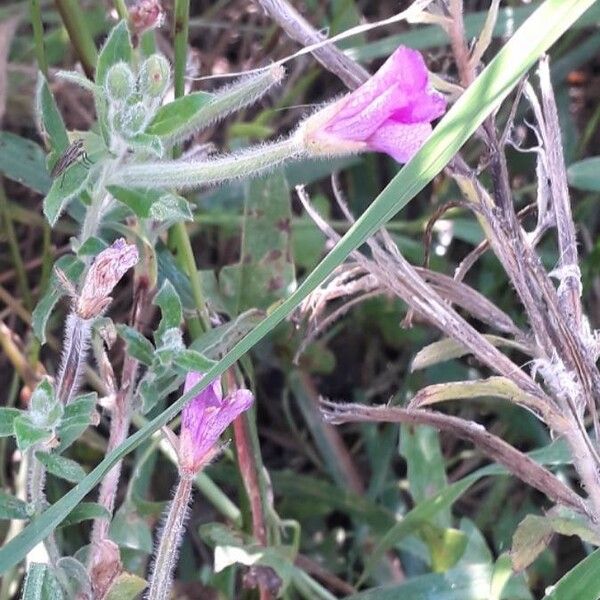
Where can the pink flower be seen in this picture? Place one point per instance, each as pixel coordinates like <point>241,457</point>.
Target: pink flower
<point>204,419</point>
<point>391,112</point>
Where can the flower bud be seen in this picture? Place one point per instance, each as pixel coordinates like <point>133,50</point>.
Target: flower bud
<point>120,82</point>
<point>154,76</point>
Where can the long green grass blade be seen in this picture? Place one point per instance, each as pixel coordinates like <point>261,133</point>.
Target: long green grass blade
<point>492,86</point>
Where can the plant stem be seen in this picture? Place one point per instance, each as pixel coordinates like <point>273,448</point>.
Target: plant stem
<point>36,481</point>
<point>11,237</point>
<point>166,556</point>
<point>181,28</point>
<point>186,259</point>
<point>119,424</point>
<point>180,174</point>
<point>121,9</point>
<point>79,34</point>
<point>38,36</point>
<point>179,236</point>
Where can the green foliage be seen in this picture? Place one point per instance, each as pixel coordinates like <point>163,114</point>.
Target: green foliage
<point>23,161</point>
<point>265,272</point>
<point>175,116</point>
<point>348,498</point>
<point>62,467</point>
<point>12,508</point>
<point>7,418</point>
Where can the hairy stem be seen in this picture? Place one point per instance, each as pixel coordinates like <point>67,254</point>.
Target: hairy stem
<point>119,426</point>
<point>180,174</point>
<point>166,555</point>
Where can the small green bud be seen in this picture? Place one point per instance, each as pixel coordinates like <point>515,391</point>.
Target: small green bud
<point>120,82</point>
<point>154,76</point>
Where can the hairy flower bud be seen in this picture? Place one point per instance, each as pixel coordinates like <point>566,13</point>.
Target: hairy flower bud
<point>104,274</point>
<point>154,76</point>
<point>204,419</point>
<point>120,82</point>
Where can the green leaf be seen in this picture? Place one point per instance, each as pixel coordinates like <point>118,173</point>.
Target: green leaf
<point>117,48</point>
<point>43,405</point>
<point>7,417</point>
<point>12,508</point>
<point>41,584</point>
<point>62,467</point>
<point>28,434</point>
<point>76,418</point>
<point>171,208</point>
<point>170,305</point>
<point>447,349</point>
<point>471,582</point>
<point>138,346</point>
<point>64,188</point>
<point>175,116</point>
<point>74,577</point>
<point>585,174</point>
<point>129,530</point>
<point>147,143</point>
<point>91,247</point>
<point>265,273</point>
<point>420,446</point>
<point>446,545</point>
<point>534,533</point>
<point>72,268</point>
<point>581,582</point>
<point>51,120</point>
<point>191,360</point>
<point>491,86</point>
<point>127,586</point>
<point>86,511</point>
<point>24,161</point>
<point>156,385</point>
<point>153,204</point>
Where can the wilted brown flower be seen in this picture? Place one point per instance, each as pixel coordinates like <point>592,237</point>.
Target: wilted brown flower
<point>104,274</point>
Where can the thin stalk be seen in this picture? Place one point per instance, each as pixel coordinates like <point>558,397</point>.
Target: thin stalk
<point>121,9</point>
<point>186,259</point>
<point>119,426</point>
<point>179,236</point>
<point>251,468</point>
<point>79,34</point>
<point>166,556</point>
<point>36,481</point>
<point>181,29</point>
<point>180,174</point>
<point>11,237</point>
<point>38,36</point>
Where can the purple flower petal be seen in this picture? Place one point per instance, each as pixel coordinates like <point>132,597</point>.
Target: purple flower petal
<point>401,141</point>
<point>391,112</point>
<point>204,419</point>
